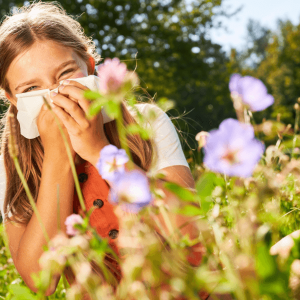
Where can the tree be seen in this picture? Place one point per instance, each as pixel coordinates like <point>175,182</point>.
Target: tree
<point>176,58</point>
<point>279,69</point>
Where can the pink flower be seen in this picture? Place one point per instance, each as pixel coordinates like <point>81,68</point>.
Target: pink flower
<point>112,75</point>
<point>71,221</point>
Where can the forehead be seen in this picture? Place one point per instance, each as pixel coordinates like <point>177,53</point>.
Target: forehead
<point>40,59</point>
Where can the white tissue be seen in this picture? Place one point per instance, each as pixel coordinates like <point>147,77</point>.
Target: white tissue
<point>30,104</point>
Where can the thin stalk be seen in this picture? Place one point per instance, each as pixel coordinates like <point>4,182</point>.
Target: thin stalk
<point>78,189</point>
<point>122,137</point>
<point>296,128</point>
<point>246,116</point>
<point>65,282</point>
<point>167,220</point>
<point>232,276</point>
<point>32,203</point>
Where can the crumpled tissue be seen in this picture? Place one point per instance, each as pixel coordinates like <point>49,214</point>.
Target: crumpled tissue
<point>30,104</point>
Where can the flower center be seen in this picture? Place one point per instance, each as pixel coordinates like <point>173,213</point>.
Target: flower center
<point>231,157</point>
<point>113,165</point>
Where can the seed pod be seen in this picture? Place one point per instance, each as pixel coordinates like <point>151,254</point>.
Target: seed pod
<point>12,143</point>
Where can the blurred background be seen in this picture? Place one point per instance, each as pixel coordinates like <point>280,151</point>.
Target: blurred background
<point>186,50</point>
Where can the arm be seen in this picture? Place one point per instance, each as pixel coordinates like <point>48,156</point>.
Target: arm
<point>26,242</point>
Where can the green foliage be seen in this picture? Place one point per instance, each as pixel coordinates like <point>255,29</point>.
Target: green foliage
<point>163,34</point>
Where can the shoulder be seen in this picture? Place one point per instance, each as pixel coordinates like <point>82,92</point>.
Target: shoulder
<point>147,110</point>
<point>152,115</point>
<point>165,138</point>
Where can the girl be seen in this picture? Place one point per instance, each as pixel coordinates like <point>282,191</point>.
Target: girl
<point>41,45</point>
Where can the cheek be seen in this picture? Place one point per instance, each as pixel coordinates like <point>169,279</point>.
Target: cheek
<point>79,74</point>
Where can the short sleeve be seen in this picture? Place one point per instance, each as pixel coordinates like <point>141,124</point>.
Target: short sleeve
<point>168,148</point>
<point>2,184</point>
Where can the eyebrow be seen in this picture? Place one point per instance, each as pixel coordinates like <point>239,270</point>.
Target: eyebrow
<point>56,70</point>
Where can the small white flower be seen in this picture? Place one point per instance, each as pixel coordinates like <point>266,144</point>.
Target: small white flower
<point>80,242</point>
<point>83,271</point>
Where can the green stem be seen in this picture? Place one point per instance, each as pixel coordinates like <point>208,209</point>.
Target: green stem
<point>122,137</point>
<point>232,276</point>
<point>167,220</point>
<point>32,203</point>
<point>296,127</point>
<point>78,189</point>
<point>65,282</point>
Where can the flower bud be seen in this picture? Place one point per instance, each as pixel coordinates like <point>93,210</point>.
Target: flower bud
<point>12,143</point>
<point>201,137</point>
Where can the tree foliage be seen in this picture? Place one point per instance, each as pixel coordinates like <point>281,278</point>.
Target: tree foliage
<point>175,56</point>
<point>278,66</point>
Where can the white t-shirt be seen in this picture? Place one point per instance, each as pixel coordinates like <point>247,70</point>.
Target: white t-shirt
<point>168,147</point>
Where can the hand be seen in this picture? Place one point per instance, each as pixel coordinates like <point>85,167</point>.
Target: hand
<point>87,136</point>
<point>52,139</point>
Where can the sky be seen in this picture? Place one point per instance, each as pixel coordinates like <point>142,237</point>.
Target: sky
<point>264,11</point>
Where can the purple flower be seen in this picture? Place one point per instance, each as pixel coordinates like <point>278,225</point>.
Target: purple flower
<point>111,162</point>
<point>232,149</point>
<point>71,221</point>
<point>252,91</point>
<point>131,190</point>
<point>112,75</point>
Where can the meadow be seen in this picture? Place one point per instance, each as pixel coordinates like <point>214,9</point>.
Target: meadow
<point>245,200</point>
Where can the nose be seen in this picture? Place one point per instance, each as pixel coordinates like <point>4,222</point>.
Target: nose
<point>54,86</point>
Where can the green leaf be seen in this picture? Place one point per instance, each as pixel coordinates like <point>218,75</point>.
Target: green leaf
<point>190,210</point>
<point>165,104</point>
<point>206,184</point>
<point>265,262</point>
<point>136,129</point>
<point>290,143</point>
<point>92,95</point>
<point>182,193</point>
<point>112,108</point>
<point>21,292</point>
<point>95,108</point>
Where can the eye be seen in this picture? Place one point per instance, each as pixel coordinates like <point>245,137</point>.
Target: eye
<point>67,71</point>
<point>29,89</point>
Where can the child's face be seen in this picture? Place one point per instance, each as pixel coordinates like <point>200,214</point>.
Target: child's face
<point>43,66</point>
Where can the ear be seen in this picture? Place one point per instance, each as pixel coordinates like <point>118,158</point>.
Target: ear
<point>92,65</point>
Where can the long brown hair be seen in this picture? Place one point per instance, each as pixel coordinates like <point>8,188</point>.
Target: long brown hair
<point>45,21</point>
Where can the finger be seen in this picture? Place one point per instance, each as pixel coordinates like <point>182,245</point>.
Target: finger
<point>68,121</point>
<point>75,83</point>
<point>76,94</point>
<point>72,108</point>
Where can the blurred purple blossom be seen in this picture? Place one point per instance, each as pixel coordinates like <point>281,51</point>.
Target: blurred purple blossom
<point>232,149</point>
<point>112,75</point>
<point>252,91</point>
<point>132,191</point>
<point>71,221</point>
<point>111,163</point>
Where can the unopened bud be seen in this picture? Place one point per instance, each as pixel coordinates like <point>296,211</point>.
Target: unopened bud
<point>296,106</point>
<point>298,100</point>
<point>12,144</point>
<point>201,137</point>
<point>278,117</point>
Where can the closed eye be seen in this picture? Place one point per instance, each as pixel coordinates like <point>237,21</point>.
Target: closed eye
<point>67,71</point>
